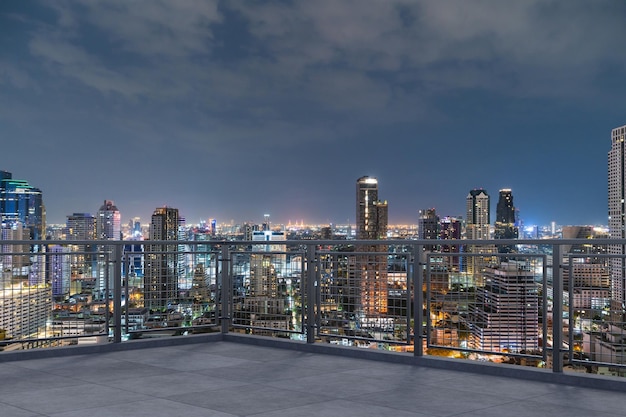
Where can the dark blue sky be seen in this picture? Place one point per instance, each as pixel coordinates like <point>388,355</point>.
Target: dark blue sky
<point>233,109</point>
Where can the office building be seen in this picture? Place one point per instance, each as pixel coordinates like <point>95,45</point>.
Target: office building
<point>450,229</point>
<point>428,225</point>
<point>108,227</point>
<point>478,215</point>
<point>82,227</point>
<point>108,222</point>
<point>59,270</point>
<point>617,220</point>
<point>505,316</point>
<point>21,203</point>
<point>160,275</point>
<point>478,227</point>
<point>370,268</point>
<point>505,225</point>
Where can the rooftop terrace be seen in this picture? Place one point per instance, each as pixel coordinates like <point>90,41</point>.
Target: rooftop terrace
<point>237,375</point>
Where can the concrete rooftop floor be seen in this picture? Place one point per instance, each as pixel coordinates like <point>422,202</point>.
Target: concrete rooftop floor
<point>226,378</point>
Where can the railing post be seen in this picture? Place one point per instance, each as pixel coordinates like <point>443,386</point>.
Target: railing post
<point>418,300</point>
<point>226,290</point>
<point>557,309</point>
<point>311,284</point>
<point>117,292</point>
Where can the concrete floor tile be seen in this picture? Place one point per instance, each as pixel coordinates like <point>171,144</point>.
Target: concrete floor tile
<point>250,399</point>
<point>341,408</point>
<point>149,408</point>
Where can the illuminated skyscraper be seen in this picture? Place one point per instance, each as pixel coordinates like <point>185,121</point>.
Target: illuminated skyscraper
<point>22,203</point>
<point>617,219</point>
<point>505,227</point>
<point>81,226</point>
<point>478,214</point>
<point>160,276</point>
<point>371,214</point>
<point>428,224</point>
<point>450,229</point>
<point>505,316</point>
<point>108,227</point>
<point>370,270</point>
<point>477,227</point>
<point>108,222</point>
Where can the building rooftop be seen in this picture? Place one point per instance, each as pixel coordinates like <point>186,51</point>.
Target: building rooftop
<point>221,375</point>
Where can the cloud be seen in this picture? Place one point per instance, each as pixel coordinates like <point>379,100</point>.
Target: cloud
<point>147,27</point>
<point>344,66</point>
<point>522,42</point>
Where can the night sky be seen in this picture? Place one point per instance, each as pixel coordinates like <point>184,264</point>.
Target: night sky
<point>233,109</point>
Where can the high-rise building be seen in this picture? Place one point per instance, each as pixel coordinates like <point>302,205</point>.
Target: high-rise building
<point>370,268</point>
<point>428,224</point>
<point>617,219</point>
<point>505,316</point>
<point>478,227</point>
<point>108,222</point>
<point>81,226</point>
<point>160,275</point>
<point>108,227</point>
<point>450,229</point>
<point>371,213</point>
<point>505,226</point>
<point>478,214</point>
<point>59,270</point>
<point>14,259</point>
<point>22,203</point>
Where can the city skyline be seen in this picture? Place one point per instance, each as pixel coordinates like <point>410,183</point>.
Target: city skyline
<point>229,111</point>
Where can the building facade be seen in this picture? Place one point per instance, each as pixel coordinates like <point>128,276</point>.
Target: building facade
<point>505,316</point>
<point>478,221</point>
<point>505,225</point>
<point>369,272</point>
<point>21,203</point>
<point>617,219</point>
<point>161,260</point>
<point>428,224</point>
<point>478,227</point>
<point>82,227</point>
<point>108,222</point>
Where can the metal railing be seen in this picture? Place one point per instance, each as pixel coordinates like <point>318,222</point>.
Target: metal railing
<point>542,304</point>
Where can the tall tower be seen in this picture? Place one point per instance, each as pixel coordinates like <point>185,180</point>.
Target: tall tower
<point>81,226</point>
<point>450,229</point>
<point>370,271</point>
<point>108,222</point>
<point>160,277</point>
<point>617,219</point>
<point>428,224</point>
<point>107,228</point>
<point>478,215</point>
<point>477,228</point>
<point>505,226</point>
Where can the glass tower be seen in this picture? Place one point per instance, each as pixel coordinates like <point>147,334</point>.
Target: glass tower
<point>22,203</point>
<point>161,260</point>
<point>505,226</point>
